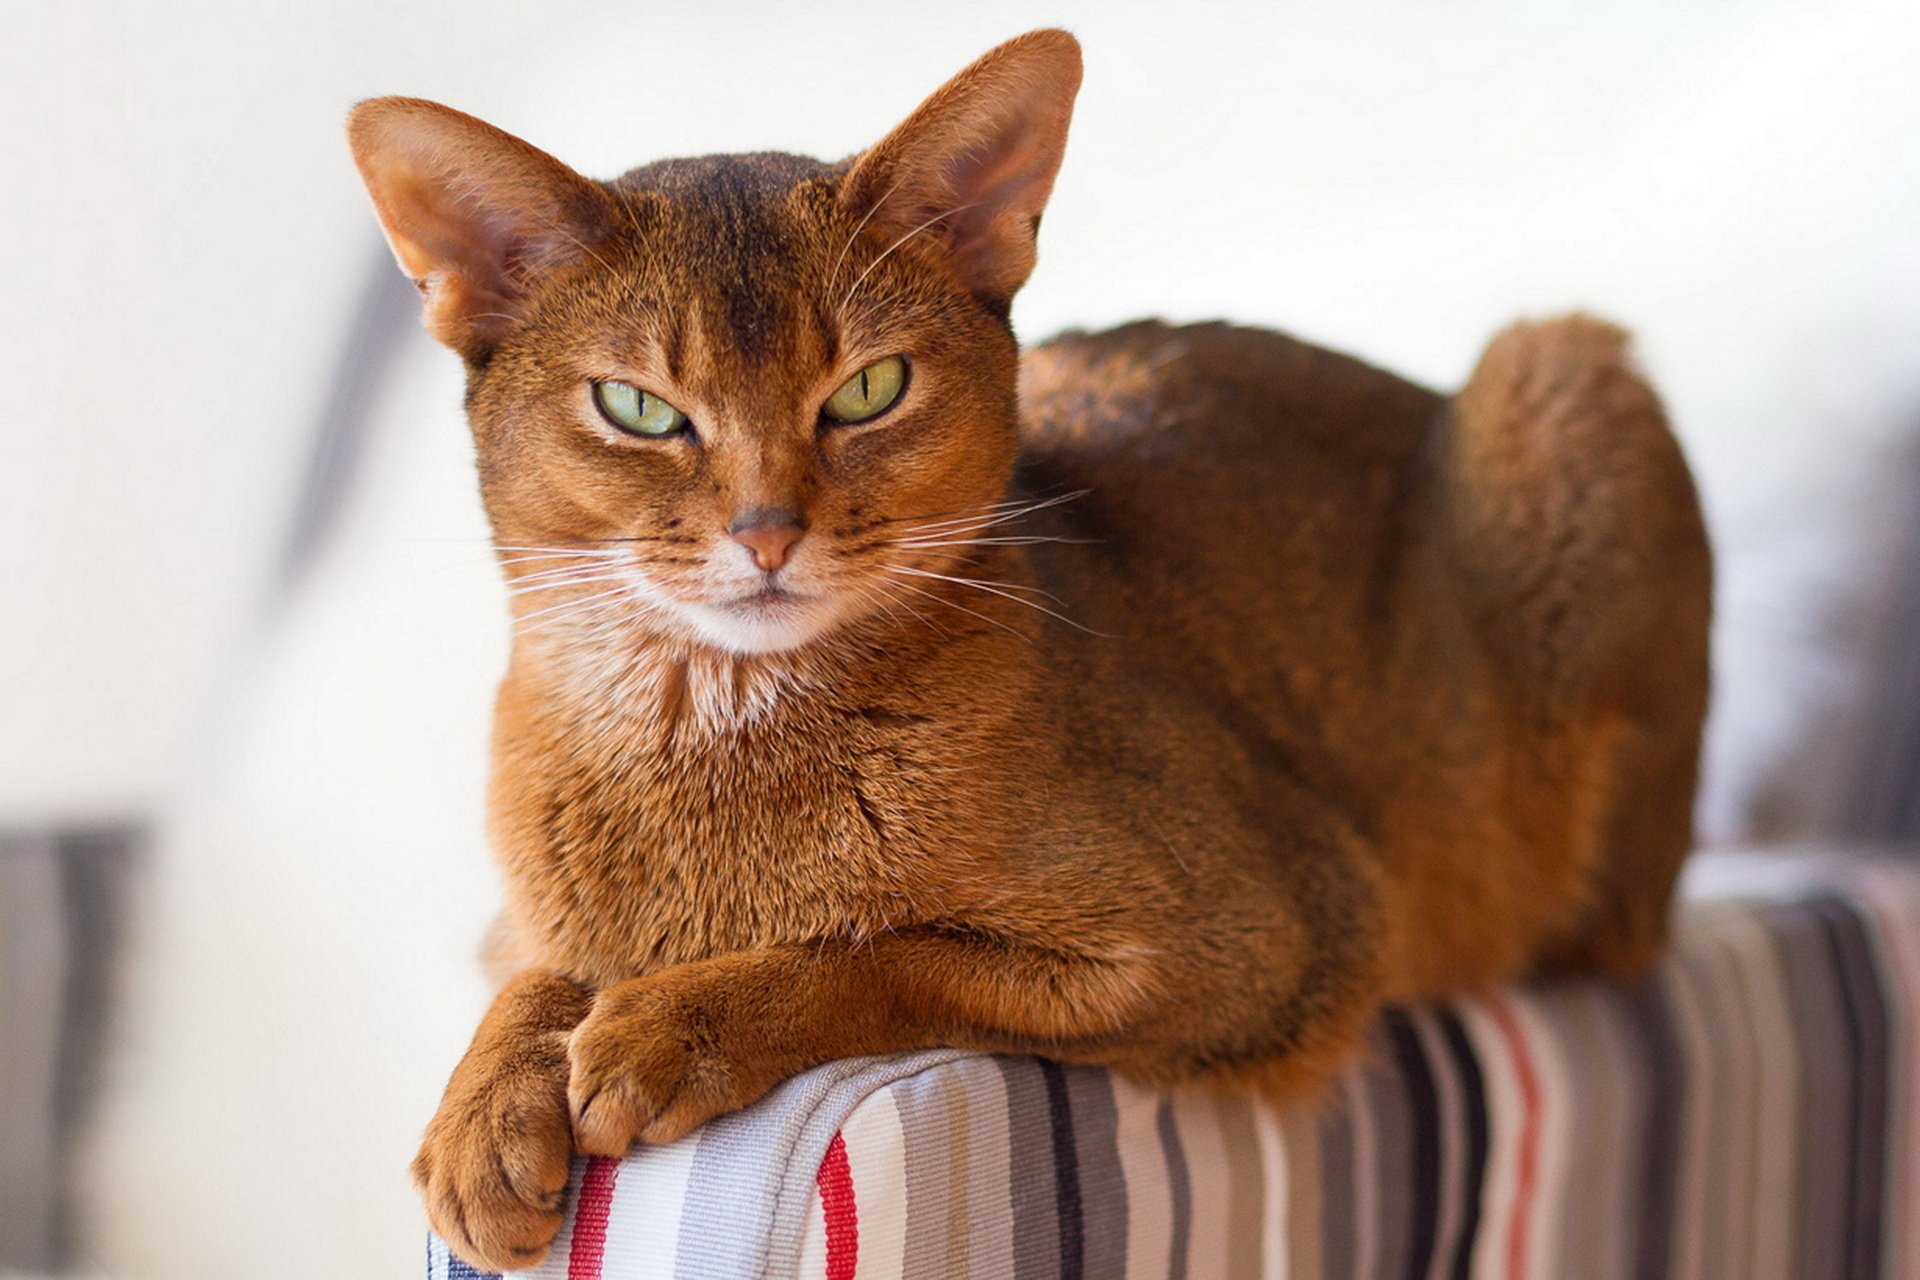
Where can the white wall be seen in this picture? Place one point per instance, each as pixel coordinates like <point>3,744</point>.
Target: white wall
<point>185,242</point>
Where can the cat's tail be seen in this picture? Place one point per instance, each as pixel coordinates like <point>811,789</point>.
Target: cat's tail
<point>1572,519</point>
<point>1578,539</point>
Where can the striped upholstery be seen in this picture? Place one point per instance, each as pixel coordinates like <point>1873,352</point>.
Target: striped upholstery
<point>1752,1111</point>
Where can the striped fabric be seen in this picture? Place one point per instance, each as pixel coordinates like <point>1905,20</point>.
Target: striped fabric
<point>1751,1111</point>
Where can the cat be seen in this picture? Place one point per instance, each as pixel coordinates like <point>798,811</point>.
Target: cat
<point>1169,698</point>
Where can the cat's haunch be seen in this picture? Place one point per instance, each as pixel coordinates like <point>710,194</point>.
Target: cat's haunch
<point>1165,698</point>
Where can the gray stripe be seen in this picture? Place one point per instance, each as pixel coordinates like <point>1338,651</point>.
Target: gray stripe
<point>1773,1113</point>
<point>1030,1174</point>
<point>1103,1184</point>
<point>1721,1091</point>
<point>1660,1139</point>
<point>1864,1013</point>
<point>1337,1224</point>
<point>1588,1220</point>
<point>1179,1190</point>
<point>1394,1180</point>
<point>1826,1091</point>
<point>987,1230</point>
<point>753,1173</point>
<point>930,1166</point>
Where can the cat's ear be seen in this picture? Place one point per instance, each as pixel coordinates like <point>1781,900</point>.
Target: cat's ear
<point>975,163</point>
<point>475,216</point>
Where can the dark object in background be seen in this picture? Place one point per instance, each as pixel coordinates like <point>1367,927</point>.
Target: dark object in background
<point>62,900</point>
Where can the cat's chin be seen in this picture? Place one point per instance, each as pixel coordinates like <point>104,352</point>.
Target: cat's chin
<point>765,622</point>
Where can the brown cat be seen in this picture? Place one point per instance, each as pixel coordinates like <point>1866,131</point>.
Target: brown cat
<point>1169,698</point>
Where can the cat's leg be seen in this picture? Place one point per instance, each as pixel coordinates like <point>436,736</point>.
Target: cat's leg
<point>493,1166</point>
<point>1267,979</point>
<point>1646,833</point>
<point>662,1054</point>
<point>1578,537</point>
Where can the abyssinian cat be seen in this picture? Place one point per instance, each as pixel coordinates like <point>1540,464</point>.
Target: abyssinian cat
<point>1167,698</point>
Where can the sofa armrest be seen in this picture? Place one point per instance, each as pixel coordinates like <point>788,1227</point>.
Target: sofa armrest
<point>1752,1107</point>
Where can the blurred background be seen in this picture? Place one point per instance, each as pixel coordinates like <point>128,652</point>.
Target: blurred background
<point>251,626</point>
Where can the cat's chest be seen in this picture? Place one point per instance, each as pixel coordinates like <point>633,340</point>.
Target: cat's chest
<point>628,848</point>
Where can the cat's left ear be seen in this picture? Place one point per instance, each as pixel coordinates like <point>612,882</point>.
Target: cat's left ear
<point>475,216</point>
<point>975,163</point>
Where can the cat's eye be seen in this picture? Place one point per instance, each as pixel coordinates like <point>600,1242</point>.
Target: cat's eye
<point>636,412</point>
<point>868,393</point>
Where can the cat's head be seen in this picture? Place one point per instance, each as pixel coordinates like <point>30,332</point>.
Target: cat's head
<point>738,399</point>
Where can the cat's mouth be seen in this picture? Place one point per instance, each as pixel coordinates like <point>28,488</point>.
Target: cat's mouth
<point>768,599</point>
<point>768,619</point>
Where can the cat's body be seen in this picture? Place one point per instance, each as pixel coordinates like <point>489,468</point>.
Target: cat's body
<point>1176,720</point>
<point>1241,606</point>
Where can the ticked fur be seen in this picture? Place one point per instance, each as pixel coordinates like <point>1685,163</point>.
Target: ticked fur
<point>1168,698</point>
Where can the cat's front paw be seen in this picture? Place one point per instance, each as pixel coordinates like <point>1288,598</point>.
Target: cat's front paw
<point>493,1169</point>
<point>652,1063</point>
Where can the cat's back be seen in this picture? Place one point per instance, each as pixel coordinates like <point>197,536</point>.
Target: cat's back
<point>1256,471</point>
<point>1215,411</point>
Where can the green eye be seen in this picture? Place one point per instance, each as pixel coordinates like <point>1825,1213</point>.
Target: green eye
<point>636,412</point>
<point>868,393</point>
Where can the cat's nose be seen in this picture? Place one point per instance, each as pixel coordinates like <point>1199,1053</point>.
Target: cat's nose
<point>768,532</point>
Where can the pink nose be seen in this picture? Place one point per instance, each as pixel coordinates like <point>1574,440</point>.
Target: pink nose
<point>769,533</point>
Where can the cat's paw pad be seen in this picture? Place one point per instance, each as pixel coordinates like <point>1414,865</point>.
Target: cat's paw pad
<point>645,1068</point>
<point>493,1170</point>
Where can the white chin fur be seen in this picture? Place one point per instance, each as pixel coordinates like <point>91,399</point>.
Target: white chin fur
<point>739,631</point>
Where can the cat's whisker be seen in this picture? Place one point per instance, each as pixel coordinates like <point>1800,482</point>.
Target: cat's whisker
<point>551,553</point>
<point>954,604</point>
<point>558,577</point>
<point>587,546</point>
<point>938,527</point>
<point>861,278</point>
<point>530,588</point>
<point>1004,590</point>
<point>578,243</point>
<point>630,287</point>
<point>1018,540</point>
<point>625,588</point>
<point>877,602</point>
<point>878,590</point>
<point>981,582</point>
<point>572,561</point>
<point>956,512</point>
<point>960,531</point>
<point>623,606</point>
<point>929,520</point>
<point>833,277</point>
<point>573,570</point>
<point>987,519</point>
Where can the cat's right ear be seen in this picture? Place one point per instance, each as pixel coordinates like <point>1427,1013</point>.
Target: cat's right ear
<point>475,216</point>
<point>973,167</point>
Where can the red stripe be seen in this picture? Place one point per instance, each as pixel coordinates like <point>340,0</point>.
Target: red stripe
<point>836,1206</point>
<point>590,1218</point>
<point>1529,1155</point>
